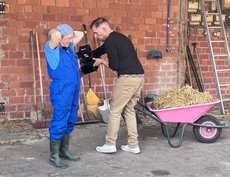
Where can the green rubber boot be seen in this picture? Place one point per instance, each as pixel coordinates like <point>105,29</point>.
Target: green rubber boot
<point>55,160</point>
<point>64,149</point>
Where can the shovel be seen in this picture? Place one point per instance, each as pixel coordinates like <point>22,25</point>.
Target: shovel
<point>104,109</point>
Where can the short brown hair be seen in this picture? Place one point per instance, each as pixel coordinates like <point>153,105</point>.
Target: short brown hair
<point>97,22</point>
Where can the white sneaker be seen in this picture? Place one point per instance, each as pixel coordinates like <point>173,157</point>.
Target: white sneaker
<point>132,150</point>
<point>106,149</point>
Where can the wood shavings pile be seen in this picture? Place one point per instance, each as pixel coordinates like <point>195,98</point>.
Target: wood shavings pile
<point>184,96</point>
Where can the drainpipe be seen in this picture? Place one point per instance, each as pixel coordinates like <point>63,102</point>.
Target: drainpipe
<point>168,24</point>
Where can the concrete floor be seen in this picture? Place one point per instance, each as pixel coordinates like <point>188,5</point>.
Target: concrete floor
<point>29,157</point>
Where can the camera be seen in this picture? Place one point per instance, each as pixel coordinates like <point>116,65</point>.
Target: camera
<point>86,59</point>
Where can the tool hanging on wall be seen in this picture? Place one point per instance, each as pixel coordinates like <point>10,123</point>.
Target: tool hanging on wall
<point>188,73</point>
<point>191,62</point>
<point>198,64</point>
<point>168,24</point>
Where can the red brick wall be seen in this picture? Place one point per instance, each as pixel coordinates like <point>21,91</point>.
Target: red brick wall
<point>144,20</point>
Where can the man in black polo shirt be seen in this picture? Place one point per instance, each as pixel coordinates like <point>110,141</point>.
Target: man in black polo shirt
<point>123,60</point>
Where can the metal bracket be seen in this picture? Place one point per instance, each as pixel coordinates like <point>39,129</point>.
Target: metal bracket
<point>2,108</point>
<point>4,8</point>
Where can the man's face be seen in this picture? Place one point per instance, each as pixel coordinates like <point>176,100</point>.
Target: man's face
<point>100,33</point>
<point>66,40</point>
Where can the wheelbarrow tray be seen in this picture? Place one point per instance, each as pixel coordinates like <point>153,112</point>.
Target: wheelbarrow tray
<point>183,114</point>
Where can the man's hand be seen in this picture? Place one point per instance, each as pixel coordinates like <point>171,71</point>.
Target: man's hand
<point>99,61</point>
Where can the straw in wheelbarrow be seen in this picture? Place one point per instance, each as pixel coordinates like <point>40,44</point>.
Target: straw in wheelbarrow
<point>184,96</point>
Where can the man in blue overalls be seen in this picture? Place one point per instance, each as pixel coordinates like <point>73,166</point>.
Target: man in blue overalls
<point>63,70</point>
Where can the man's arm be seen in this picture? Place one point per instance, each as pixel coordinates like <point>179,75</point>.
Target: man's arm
<point>99,51</point>
<point>112,55</point>
<point>97,54</point>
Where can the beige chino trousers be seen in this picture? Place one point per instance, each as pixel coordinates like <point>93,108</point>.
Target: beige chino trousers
<point>125,95</point>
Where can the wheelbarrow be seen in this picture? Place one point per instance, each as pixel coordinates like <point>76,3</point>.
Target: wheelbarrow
<point>206,128</point>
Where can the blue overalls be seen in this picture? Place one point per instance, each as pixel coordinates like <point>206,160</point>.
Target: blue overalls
<point>64,94</point>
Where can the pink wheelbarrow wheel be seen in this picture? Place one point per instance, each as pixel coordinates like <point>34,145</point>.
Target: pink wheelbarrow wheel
<point>205,133</point>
